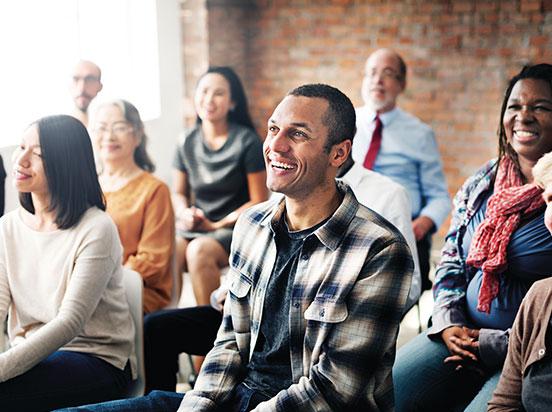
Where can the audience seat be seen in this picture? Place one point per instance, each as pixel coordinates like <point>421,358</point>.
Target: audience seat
<point>132,282</point>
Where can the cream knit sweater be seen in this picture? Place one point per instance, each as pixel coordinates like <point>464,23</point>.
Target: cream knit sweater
<point>63,290</point>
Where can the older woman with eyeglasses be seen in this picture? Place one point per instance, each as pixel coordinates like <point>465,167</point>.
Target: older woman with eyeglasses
<point>139,203</point>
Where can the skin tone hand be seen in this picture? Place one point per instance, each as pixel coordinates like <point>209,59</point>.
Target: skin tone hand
<point>206,225</point>
<point>463,344</point>
<point>221,298</point>
<point>421,226</point>
<point>190,218</point>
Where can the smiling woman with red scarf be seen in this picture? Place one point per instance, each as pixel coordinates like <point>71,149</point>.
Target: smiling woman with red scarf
<point>496,248</point>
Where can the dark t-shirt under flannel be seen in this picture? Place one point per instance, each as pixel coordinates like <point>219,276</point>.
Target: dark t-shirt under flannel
<point>269,370</point>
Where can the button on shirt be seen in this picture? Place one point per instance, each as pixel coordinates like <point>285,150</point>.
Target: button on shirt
<point>410,156</point>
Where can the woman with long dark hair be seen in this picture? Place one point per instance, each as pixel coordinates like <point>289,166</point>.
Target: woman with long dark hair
<point>70,331</point>
<point>496,248</point>
<point>219,172</point>
<point>139,203</point>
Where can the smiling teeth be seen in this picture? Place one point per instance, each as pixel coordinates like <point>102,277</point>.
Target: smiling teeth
<point>523,133</point>
<point>281,165</point>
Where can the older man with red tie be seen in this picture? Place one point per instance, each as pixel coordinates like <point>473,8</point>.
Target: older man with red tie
<point>400,146</point>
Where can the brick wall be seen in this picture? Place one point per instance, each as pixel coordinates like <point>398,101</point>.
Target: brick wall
<point>195,51</point>
<point>460,54</point>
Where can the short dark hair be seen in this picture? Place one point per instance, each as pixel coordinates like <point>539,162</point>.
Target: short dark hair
<point>240,113</point>
<point>132,116</point>
<point>70,171</point>
<point>542,72</point>
<point>340,118</point>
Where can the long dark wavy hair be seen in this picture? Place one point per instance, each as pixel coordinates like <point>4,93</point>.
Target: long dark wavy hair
<point>240,113</point>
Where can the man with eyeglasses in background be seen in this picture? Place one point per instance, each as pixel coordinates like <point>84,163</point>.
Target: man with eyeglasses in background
<point>400,146</point>
<point>86,83</point>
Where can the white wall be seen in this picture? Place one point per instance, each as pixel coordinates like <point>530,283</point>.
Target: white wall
<point>163,132</point>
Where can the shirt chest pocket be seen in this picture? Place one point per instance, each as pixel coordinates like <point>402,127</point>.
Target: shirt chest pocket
<point>240,287</point>
<point>240,291</point>
<point>326,312</point>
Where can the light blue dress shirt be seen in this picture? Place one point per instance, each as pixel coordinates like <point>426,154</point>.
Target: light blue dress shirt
<point>410,156</point>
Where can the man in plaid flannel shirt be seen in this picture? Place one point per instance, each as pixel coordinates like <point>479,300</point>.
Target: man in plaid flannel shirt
<point>318,283</point>
<point>314,330</point>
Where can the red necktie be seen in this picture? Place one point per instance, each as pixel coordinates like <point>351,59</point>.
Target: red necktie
<point>375,144</point>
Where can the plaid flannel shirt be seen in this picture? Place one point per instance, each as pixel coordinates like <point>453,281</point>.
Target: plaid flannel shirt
<point>350,286</point>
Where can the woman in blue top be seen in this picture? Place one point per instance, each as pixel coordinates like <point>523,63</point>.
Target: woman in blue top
<point>496,248</point>
<point>219,172</point>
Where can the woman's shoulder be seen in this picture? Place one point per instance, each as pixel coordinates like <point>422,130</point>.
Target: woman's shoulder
<point>540,289</point>
<point>10,222</point>
<point>188,135</point>
<point>484,175</point>
<point>244,133</point>
<point>95,221</point>
<point>488,167</point>
<point>152,183</point>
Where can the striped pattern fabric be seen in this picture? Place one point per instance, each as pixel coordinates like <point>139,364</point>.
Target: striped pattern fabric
<point>351,284</point>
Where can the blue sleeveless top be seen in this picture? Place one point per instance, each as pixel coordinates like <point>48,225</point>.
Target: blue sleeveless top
<point>529,256</point>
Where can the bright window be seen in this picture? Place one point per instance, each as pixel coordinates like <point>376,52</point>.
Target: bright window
<point>41,40</point>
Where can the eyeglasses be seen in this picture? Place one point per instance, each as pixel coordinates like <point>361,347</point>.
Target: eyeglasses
<point>119,129</point>
<point>86,79</point>
<point>385,74</point>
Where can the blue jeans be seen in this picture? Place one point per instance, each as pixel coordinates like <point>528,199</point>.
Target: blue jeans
<point>243,400</point>
<point>422,382</point>
<point>63,379</point>
<point>155,401</point>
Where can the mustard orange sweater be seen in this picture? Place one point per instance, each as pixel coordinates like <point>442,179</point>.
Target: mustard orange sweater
<point>143,213</point>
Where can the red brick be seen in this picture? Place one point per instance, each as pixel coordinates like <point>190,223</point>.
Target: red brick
<point>491,17</point>
<point>530,5</point>
<point>452,42</point>
<point>486,5</point>
<point>539,41</point>
<point>537,17</point>
<point>462,6</point>
<point>446,44</point>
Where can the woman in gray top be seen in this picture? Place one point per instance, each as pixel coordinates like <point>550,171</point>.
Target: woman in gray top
<point>219,172</point>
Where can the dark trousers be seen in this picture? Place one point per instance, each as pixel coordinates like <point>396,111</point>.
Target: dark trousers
<point>64,379</point>
<point>243,399</point>
<point>424,254</point>
<point>168,333</point>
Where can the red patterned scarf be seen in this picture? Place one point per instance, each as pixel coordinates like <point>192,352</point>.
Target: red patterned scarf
<point>510,201</point>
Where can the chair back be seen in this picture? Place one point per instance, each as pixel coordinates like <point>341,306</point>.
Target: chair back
<point>132,282</point>
<point>176,284</point>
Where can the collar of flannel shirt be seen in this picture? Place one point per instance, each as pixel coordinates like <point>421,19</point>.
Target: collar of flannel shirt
<point>331,233</point>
